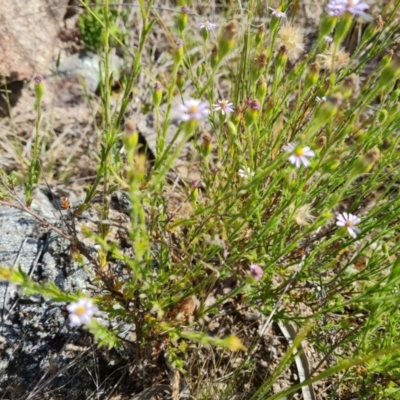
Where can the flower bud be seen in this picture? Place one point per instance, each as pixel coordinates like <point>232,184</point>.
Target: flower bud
<point>199,71</point>
<point>312,76</point>
<point>157,94</point>
<point>261,89</point>
<point>180,80</point>
<point>214,57</point>
<point>320,142</point>
<point>252,112</point>
<point>388,75</point>
<point>328,109</point>
<point>259,65</point>
<point>260,35</point>
<point>350,86</point>
<point>206,146</point>
<point>281,58</point>
<point>365,163</point>
<point>183,19</point>
<point>194,194</point>
<point>385,249</point>
<point>382,116</point>
<point>39,88</point>
<point>387,58</point>
<point>131,137</point>
<point>275,20</point>
<point>231,127</point>
<point>227,39</point>
<point>373,28</point>
<point>343,27</point>
<point>327,25</point>
<point>178,54</point>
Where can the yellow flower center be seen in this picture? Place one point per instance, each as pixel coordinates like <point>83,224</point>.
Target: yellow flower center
<point>299,151</point>
<point>193,109</point>
<point>80,310</point>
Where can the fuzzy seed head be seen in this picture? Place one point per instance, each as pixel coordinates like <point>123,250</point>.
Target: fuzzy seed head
<point>292,37</point>
<point>303,215</point>
<point>334,60</point>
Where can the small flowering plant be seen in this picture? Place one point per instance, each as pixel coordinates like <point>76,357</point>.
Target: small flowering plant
<point>245,173</point>
<point>348,221</point>
<point>207,25</point>
<point>299,154</point>
<point>187,241</point>
<point>256,271</point>
<point>277,13</point>
<point>193,109</point>
<point>224,107</point>
<point>81,312</point>
<point>338,7</point>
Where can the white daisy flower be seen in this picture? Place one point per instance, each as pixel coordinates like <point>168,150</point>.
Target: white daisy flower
<point>193,109</point>
<point>300,154</point>
<point>81,312</point>
<point>349,221</point>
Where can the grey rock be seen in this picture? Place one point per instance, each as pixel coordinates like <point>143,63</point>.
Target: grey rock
<point>40,353</point>
<point>86,66</point>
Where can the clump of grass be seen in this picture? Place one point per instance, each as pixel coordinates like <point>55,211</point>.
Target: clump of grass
<point>297,153</point>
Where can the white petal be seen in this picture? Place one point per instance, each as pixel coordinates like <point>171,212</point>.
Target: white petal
<point>74,320</point>
<point>305,161</point>
<point>351,232</point>
<point>288,147</point>
<point>72,307</point>
<point>308,152</point>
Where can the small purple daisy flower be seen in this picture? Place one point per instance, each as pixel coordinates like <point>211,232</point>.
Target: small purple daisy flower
<point>193,109</point>
<point>207,25</point>
<point>336,8</point>
<point>81,312</point>
<point>256,271</point>
<point>224,106</point>
<point>349,221</point>
<point>277,13</point>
